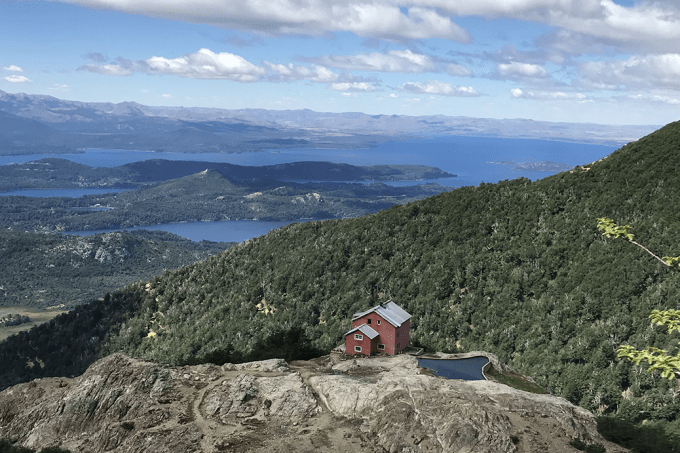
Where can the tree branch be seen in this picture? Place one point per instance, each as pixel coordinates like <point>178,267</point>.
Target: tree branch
<point>648,251</point>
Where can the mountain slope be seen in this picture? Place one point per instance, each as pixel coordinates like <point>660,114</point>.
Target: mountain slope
<point>516,268</point>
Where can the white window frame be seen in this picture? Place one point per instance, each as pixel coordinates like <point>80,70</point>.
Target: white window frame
<point>357,348</point>
<point>381,347</point>
<point>378,322</point>
<point>358,336</point>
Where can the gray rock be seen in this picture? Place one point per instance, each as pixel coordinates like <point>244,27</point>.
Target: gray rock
<point>382,404</point>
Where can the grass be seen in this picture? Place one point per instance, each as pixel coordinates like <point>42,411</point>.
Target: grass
<point>37,315</point>
<point>514,380</point>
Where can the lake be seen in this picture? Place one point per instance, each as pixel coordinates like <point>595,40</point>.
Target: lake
<point>223,231</point>
<point>469,369</point>
<point>472,159</point>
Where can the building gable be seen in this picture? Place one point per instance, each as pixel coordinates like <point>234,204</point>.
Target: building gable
<point>389,311</point>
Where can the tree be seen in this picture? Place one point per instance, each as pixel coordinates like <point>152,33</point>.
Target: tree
<point>658,359</point>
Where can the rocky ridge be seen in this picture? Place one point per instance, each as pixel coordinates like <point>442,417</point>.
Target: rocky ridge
<point>387,404</point>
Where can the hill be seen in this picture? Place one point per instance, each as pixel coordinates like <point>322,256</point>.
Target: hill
<point>45,269</point>
<point>209,195</point>
<point>517,268</point>
<point>55,173</point>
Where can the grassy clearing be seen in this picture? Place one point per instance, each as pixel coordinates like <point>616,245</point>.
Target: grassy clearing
<point>514,380</point>
<point>37,315</point>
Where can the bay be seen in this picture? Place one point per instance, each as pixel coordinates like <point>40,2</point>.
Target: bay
<point>473,159</point>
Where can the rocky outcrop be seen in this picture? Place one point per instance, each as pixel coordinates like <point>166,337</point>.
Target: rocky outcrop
<point>379,404</point>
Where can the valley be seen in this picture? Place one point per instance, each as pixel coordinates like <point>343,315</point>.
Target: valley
<point>515,267</point>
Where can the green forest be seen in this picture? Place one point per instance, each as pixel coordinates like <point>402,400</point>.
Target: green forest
<point>56,173</point>
<point>516,268</point>
<point>207,196</point>
<point>41,269</point>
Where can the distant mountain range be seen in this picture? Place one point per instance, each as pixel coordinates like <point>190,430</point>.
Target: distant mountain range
<point>35,123</point>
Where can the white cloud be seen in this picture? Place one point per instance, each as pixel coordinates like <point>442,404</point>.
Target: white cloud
<point>648,99</point>
<point>457,70</point>
<point>650,71</point>
<point>392,61</point>
<point>356,87</point>
<point>13,68</point>
<point>17,79</point>
<point>291,72</point>
<point>518,71</point>
<point>645,24</point>
<point>206,64</point>
<point>649,24</point>
<point>666,99</point>
<point>60,87</point>
<point>392,95</point>
<point>107,69</point>
<point>167,96</point>
<point>549,95</point>
<point>386,19</point>
<point>438,88</point>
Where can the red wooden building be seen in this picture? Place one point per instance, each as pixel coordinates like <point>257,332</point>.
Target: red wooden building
<point>384,328</point>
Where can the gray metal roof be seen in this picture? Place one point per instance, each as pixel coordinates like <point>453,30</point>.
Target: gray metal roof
<point>392,313</point>
<point>366,330</point>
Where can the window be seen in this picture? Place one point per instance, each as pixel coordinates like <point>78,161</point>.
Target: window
<point>398,345</point>
<point>358,336</point>
<point>378,322</point>
<point>357,348</point>
<point>381,347</point>
<point>368,320</point>
<point>397,334</point>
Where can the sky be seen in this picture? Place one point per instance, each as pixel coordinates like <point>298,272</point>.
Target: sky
<point>598,61</point>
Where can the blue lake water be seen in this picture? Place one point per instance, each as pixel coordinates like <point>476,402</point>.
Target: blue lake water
<point>469,369</point>
<point>224,231</point>
<point>472,159</point>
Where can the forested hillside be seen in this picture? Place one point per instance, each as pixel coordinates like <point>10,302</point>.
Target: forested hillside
<point>516,268</point>
<point>209,195</point>
<point>44,269</point>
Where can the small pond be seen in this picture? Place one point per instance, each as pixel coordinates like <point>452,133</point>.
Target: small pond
<point>469,369</point>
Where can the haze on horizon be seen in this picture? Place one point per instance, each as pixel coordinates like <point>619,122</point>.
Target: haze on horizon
<point>599,61</point>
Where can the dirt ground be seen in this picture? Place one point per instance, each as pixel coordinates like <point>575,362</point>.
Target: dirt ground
<point>37,315</point>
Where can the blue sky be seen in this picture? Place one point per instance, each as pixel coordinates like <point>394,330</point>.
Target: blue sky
<point>601,61</point>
